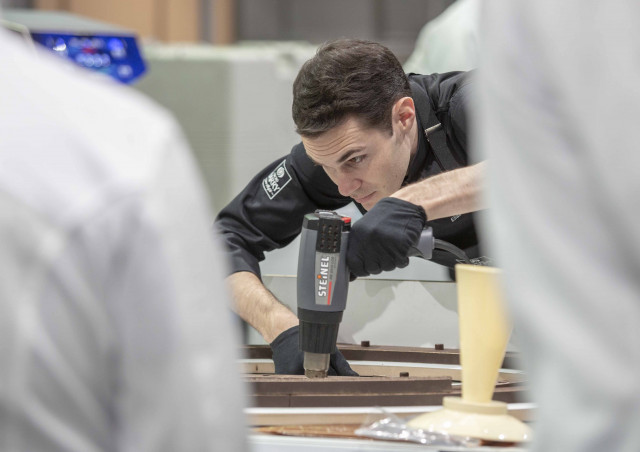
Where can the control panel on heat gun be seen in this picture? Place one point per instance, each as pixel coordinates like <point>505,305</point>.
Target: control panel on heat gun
<point>323,283</point>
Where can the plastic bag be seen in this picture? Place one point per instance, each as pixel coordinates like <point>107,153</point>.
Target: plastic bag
<point>388,426</point>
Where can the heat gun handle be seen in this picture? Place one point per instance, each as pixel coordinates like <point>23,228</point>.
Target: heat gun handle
<point>425,245</point>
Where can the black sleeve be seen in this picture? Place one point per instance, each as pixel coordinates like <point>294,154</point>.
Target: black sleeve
<point>268,213</point>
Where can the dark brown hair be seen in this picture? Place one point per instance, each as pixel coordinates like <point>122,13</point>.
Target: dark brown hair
<point>347,77</point>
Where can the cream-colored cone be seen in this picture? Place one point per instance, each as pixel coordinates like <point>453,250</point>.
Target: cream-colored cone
<point>484,333</point>
<point>484,330</point>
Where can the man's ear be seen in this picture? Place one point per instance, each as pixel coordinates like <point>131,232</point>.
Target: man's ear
<point>404,112</point>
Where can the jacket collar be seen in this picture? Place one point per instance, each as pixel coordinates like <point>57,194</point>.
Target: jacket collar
<point>419,160</point>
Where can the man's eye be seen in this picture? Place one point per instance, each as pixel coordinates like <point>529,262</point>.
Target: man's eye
<point>357,160</point>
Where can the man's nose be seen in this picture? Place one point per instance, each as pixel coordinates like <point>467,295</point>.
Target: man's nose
<point>347,185</point>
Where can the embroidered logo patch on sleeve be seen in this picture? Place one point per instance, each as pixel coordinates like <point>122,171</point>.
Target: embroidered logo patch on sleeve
<point>276,181</point>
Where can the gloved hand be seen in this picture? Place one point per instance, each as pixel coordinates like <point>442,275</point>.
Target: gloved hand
<point>288,357</point>
<point>382,238</point>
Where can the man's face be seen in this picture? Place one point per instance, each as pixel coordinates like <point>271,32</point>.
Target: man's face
<point>366,164</point>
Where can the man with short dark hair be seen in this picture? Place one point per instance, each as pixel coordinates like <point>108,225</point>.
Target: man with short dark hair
<point>363,124</point>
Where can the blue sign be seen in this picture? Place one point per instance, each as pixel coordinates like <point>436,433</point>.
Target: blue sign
<point>117,56</point>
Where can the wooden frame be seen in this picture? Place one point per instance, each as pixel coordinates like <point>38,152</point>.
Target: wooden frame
<point>427,377</point>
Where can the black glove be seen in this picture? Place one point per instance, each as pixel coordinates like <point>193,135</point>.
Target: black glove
<point>382,238</point>
<point>288,357</point>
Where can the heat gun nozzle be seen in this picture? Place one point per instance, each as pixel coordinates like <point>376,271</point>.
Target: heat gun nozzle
<point>316,365</point>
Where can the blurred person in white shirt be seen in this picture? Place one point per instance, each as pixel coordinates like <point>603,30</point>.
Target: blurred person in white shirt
<point>558,114</point>
<point>115,326</point>
<point>449,42</point>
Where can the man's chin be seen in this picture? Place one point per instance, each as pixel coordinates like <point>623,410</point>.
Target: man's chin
<point>368,203</point>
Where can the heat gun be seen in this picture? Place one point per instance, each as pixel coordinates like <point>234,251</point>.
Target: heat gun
<point>323,282</point>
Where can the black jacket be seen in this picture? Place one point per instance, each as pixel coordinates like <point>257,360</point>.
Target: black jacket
<point>268,213</point>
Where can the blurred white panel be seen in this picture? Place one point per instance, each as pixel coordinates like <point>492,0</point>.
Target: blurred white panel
<point>234,104</point>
